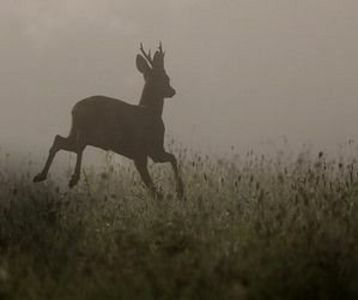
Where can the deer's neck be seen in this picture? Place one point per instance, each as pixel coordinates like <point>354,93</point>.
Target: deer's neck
<point>151,101</point>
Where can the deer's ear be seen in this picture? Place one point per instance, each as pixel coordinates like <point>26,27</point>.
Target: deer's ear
<point>142,64</point>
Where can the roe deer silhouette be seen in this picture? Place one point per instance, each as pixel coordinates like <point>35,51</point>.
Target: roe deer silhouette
<point>134,131</point>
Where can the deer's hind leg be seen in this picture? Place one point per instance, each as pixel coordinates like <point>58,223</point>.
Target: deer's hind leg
<point>71,143</point>
<point>77,173</point>
<point>59,143</point>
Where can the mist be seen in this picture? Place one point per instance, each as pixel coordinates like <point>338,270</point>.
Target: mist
<point>247,72</point>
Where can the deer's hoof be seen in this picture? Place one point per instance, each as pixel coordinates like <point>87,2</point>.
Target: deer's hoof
<point>181,195</point>
<point>180,191</point>
<point>39,177</point>
<point>74,180</point>
<point>157,195</point>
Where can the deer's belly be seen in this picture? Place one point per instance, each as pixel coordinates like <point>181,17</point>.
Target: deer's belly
<point>129,144</point>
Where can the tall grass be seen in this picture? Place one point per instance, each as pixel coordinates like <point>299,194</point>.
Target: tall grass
<point>251,227</point>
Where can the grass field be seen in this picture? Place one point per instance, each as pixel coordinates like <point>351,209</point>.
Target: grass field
<point>251,227</point>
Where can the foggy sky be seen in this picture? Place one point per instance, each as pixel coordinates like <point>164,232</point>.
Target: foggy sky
<point>246,71</point>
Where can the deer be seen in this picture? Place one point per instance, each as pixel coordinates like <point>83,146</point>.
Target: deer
<point>133,131</point>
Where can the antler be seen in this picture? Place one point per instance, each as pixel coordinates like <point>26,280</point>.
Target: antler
<point>147,56</point>
<point>160,47</point>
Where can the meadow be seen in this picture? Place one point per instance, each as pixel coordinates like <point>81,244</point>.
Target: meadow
<point>252,226</point>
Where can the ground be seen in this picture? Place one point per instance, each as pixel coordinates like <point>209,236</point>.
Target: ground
<point>251,227</point>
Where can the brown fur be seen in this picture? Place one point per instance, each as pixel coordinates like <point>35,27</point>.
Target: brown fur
<point>134,131</point>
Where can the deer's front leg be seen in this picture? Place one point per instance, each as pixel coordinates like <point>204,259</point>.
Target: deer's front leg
<point>141,165</point>
<point>164,156</point>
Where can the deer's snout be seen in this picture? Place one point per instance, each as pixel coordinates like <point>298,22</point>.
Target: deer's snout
<point>172,93</point>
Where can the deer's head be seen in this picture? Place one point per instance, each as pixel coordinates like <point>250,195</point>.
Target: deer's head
<point>156,79</point>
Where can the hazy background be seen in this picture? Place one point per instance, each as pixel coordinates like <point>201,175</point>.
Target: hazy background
<point>247,72</point>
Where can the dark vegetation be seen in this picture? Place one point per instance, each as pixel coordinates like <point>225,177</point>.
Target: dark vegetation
<point>251,227</point>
